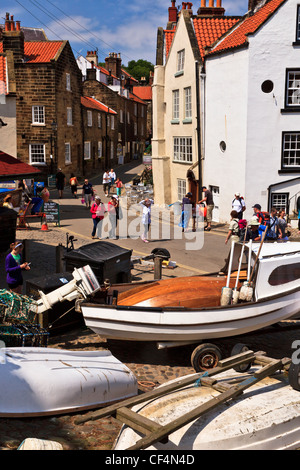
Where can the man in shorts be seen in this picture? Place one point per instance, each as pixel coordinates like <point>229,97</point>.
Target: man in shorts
<point>208,199</point>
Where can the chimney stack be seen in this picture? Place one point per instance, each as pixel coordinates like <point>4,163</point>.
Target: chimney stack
<point>114,64</point>
<point>211,10</point>
<point>253,4</point>
<point>13,38</point>
<point>173,15</point>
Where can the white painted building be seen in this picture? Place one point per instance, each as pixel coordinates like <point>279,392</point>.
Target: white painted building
<point>249,108</point>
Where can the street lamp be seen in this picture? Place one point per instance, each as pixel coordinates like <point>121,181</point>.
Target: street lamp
<point>54,129</point>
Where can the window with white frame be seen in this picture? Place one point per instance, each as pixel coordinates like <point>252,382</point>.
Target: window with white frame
<point>69,117</point>
<point>68,81</point>
<point>142,111</point>
<point>128,117</point>
<point>135,128</point>
<point>99,120</point>
<point>89,118</point>
<point>112,122</point>
<point>175,100</point>
<point>293,88</point>
<point>188,102</point>
<point>67,152</point>
<point>135,109</point>
<point>87,150</point>
<point>37,154</point>
<point>121,115</point>
<point>38,114</point>
<point>180,60</point>
<point>280,201</point>
<point>99,149</point>
<point>182,150</point>
<point>291,150</point>
<point>181,189</point>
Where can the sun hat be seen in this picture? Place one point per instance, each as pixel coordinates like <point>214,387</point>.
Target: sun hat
<point>253,221</point>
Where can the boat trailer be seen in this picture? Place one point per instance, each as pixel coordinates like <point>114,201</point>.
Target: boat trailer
<point>153,432</point>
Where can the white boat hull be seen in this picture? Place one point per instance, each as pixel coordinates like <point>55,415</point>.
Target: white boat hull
<point>266,417</point>
<point>146,324</point>
<point>45,381</point>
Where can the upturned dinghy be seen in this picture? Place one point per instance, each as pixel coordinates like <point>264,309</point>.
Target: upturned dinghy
<point>47,381</point>
<point>265,417</point>
<point>182,310</point>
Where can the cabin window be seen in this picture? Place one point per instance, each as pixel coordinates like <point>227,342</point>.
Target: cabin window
<point>285,274</point>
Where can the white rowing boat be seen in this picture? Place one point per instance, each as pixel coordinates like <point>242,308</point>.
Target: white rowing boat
<point>47,381</point>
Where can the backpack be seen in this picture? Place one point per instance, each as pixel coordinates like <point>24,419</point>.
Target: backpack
<point>242,229</point>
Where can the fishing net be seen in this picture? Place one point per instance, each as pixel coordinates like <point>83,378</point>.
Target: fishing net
<point>21,335</point>
<point>16,308</point>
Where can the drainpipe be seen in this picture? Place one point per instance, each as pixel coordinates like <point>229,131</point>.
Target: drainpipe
<point>199,142</point>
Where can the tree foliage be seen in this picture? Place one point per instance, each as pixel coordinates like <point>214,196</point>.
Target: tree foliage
<point>140,68</point>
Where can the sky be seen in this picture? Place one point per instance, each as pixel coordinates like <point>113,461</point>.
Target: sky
<point>126,27</point>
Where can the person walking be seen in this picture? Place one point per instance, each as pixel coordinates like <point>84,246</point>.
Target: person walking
<point>233,232</point>
<point>208,199</point>
<point>113,212</point>
<point>87,192</point>
<point>105,182</point>
<point>112,175</point>
<point>14,267</point>
<point>97,211</point>
<point>238,205</point>
<point>60,182</point>
<point>146,217</point>
<point>282,226</point>
<point>119,186</point>
<point>73,184</point>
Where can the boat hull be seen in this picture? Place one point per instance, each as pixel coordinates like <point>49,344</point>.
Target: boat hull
<point>266,417</point>
<point>181,324</point>
<point>45,381</point>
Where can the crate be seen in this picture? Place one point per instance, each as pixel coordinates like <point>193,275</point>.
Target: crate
<point>19,335</point>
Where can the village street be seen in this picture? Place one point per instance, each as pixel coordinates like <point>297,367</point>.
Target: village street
<point>150,365</point>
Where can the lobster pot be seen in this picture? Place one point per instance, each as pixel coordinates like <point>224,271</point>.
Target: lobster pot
<point>20,335</point>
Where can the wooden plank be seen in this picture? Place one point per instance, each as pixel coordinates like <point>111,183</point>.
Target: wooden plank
<point>178,423</point>
<point>182,382</point>
<point>136,421</point>
<point>231,360</point>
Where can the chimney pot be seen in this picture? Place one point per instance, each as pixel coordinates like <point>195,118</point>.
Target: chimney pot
<point>18,25</point>
<point>184,5</point>
<point>219,3</point>
<point>211,3</point>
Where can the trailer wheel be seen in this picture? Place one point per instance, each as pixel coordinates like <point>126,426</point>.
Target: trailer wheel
<point>238,349</point>
<point>205,356</point>
<point>294,374</point>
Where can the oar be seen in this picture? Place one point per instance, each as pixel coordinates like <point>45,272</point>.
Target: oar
<point>226,294</point>
<point>246,292</point>
<point>235,293</point>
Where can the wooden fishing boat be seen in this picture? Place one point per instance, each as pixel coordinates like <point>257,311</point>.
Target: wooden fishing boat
<point>265,417</point>
<point>47,381</point>
<point>183,310</point>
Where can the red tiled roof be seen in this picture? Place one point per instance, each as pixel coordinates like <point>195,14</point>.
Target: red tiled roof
<point>41,51</point>
<point>136,98</point>
<point>250,24</point>
<point>210,29</point>
<point>89,102</point>
<point>3,81</point>
<point>169,35</point>
<point>11,166</point>
<point>143,92</point>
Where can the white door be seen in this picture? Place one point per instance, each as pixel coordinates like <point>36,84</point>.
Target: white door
<point>216,197</point>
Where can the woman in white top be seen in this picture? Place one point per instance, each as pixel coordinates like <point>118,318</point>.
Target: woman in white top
<point>105,182</point>
<point>146,217</point>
